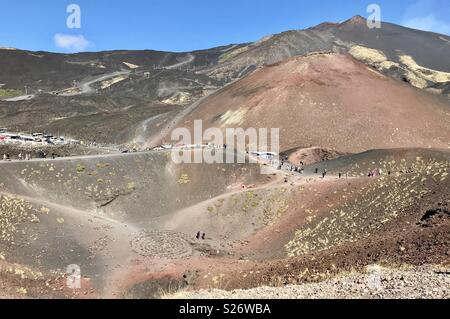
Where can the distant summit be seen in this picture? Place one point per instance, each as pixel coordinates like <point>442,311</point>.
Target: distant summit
<point>356,20</point>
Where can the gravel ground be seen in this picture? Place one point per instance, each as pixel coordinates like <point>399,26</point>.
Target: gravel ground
<point>417,283</point>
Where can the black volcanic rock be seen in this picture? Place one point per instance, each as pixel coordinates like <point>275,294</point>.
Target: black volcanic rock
<point>152,79</point>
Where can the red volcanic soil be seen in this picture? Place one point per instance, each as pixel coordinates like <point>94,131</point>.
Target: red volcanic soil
<point>332,101</point>
<point>418,236</point>
<point>274,233</point>
<point>18,281</point>
<point>337,225</point>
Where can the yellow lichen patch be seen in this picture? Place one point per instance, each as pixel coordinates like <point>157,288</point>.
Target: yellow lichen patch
<point>372,57</point>
<point>22,273</point>
<point>131,65</point>
<point>384,200</point>
<point>233,117</point>
<point>274,207</point>
<point>232,53</point>
<point>15,214</point>
<point>184,179</point>
<point>45,210</point>
<point>415,80</point>
<point>367,55</point>
<point>80,168</point>
<point>417,75</point>
<point>5,93</point>
<point>181,98</point>
<point>386,65</point>
<point>21,291</point>
<point>424,73</point>
<point>103,165</point>
<point>108,83</point>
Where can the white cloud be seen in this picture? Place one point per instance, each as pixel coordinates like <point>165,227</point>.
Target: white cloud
<point>427,23</point>
<point>71,43</point>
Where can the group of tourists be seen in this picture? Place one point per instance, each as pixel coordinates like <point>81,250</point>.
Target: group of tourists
<point>25,157</point>
<point>200,235</point>
<point>28,156</point>
<point>296,169</point>
<point>291,167</point>
<point>21,157</point>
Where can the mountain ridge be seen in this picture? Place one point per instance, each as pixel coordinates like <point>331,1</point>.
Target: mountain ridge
<point>108,85</point>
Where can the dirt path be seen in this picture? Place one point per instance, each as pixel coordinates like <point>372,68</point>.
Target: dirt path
<point>81,157</point>
<point>190,58</point>
<point>159,137</point>
<point>155,140</point>
<point>143,128</point>
<point>20,98</point>
<point>86,88</point>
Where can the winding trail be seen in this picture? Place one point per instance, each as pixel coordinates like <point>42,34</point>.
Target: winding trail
<point>159,137</point>
<point>20,98</point>
<point>156,139</point>
<point>85,86</point>
<point>190,58</point>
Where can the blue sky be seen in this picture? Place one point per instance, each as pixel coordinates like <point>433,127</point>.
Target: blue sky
<point>182,25</point>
